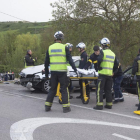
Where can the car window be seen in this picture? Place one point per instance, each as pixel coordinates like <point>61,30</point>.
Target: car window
<point>77,63</point>
<point>128,72</point>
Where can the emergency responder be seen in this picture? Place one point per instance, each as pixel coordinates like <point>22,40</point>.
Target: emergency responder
<point>29,61</point>
<point>70,87</point>
<point>106,61</point>
<point>81,48</point>
<point>93,58</point>
<point>57,56</point>
<point>136,71</point>
<point>117,79</point>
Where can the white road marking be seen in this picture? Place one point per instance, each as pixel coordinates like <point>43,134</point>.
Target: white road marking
<point>23,130</point>
<point>123,137</point>
<point>83,107</point>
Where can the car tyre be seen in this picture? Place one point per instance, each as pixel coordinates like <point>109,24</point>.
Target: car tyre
<point>46,86</point>
<point>85,102</point>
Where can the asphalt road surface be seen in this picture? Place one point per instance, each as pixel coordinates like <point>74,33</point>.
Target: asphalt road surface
<point>23,117</point>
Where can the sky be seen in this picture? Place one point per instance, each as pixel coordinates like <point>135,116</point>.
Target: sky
<point>28,10</point>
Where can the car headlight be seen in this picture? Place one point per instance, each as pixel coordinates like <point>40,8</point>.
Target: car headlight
<point>22,74</point>
<point>37,77</point>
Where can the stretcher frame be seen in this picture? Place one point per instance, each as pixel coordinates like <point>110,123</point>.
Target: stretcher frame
<point>85,99</point>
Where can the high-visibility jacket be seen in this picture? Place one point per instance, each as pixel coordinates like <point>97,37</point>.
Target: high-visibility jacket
<point>57,55</point>
<point>107,63</point>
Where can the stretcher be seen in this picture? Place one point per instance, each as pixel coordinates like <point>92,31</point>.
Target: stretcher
<point>91,77</point>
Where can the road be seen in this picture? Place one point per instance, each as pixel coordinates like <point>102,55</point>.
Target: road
<point>22,117</point>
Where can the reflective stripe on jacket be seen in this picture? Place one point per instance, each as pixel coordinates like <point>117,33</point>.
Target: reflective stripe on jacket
<point>107,63</point>
<point>57,56</point>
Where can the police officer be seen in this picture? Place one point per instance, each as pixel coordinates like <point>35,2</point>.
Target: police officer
<point>57,56</point>
<point>81,48</point>
<point>136,71</point>
<point>93,58</point>
<point>117,79</point>
<point>29,61</point>
<point>106,62</point>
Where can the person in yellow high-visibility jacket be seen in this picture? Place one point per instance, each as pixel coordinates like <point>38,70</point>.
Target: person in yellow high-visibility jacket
<point>107,63</point>
<point>57,56</point>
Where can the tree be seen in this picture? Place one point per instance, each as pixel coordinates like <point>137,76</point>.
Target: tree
<point>119,20</point>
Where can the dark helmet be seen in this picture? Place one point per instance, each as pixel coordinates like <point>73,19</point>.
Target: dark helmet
<point>59,35</point>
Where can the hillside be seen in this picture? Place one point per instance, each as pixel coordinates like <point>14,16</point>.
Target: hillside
<point>32,27</point>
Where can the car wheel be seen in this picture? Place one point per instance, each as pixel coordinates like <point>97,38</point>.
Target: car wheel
<point>45,86</point>
<point>85,102</point>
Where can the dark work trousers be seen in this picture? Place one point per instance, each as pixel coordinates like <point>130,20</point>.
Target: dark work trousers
<point>63,79</point>
<point>104,84</point>
<point>117,87</point>
<point>138,89</point>
<point>87,87</point>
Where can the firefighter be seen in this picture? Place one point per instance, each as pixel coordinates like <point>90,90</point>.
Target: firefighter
<point>81,48</point>
<point>70,87</point>
<point>106,62</point>
<point>29,61</point>
<point>57,56</point>
<point>136,71</point>
<point>93,58</point>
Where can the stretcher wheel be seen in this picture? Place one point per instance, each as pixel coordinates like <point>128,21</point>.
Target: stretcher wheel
<point>60,102</point>
<point>85,102</point>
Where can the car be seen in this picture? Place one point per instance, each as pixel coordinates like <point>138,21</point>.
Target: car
<point>128,83</point>
<point>32,77</point>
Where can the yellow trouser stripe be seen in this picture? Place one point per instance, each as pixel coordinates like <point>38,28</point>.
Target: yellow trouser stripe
<point>48,103</point>
<point>138,90</point>
<point>109,104</point>
<point>98,95</point>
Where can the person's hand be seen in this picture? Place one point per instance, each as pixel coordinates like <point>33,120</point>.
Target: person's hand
<point>43,71</point>
<point>77,73</point>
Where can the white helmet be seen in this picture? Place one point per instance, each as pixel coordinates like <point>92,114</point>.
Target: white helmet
<point>105,41</point>
<point>59,35</point>
<point>81,45</point>
<point>69,45</point>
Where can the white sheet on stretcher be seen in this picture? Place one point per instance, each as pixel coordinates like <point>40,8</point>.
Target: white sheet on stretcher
<point>91,72</point>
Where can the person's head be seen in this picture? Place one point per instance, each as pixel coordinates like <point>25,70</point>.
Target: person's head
<point>96,50</point>
<point>81,47</point>
<point>70,46</point>
<point>59,36</point>
<point>105,43</point>
<point>29,52</point>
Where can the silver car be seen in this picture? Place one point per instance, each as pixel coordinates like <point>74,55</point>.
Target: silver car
<point>32,77</point>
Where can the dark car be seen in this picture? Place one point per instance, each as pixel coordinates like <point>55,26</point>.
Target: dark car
<point>129,83</point>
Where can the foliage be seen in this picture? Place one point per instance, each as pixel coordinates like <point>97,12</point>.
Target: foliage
<point>90,20</point>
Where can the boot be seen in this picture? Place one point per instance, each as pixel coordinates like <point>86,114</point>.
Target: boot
<point>97,107</point>
<point>47,108</point>
<point>70,97</point>
<point>108,106</point>
<point>115,101</point>
<point>66,109</point>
